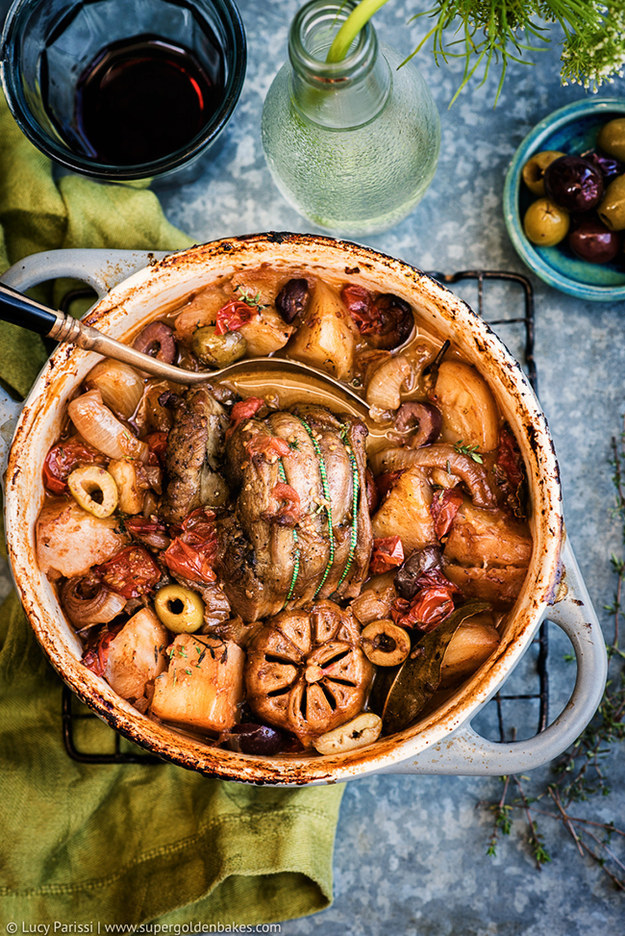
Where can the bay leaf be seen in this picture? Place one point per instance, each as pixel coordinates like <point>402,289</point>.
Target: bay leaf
<point>419,676</point>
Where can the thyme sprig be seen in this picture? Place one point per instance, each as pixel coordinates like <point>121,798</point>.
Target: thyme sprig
<point>583,770</point>
<point>471,451</point>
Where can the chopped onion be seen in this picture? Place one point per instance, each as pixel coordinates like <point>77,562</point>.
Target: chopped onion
<point>121,386</point>
<point>87,603</point>
<point>97,424</point>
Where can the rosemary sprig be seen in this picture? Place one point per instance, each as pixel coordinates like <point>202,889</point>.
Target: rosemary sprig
<point>583,770</point>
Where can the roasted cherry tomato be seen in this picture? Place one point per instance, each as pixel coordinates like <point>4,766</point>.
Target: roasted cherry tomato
<point>388,553</point>
<point>431,605</point>
<point>289,510</point>
<point>131,572</point>
<point>245,409</point>
<point>63,458</point>
<point>96,657</point>
<point>192,553</point>
<point>443,509</point>
<point>157,442</point>
<point>267,446</point>
<point>509,472</point>
<point>233,316</point>
<point>358,302</point>
<point>387,481</point>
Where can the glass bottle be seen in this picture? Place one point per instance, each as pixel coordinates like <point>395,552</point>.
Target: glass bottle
<point>352,145</point>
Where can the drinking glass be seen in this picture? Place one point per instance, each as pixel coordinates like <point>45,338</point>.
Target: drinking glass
<point>47,45</point>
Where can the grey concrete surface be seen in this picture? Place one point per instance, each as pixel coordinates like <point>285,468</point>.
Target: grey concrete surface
<point>411,851</point>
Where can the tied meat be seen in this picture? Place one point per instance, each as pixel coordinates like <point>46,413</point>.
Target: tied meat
<point>192,456</point>
<point>294,534</point>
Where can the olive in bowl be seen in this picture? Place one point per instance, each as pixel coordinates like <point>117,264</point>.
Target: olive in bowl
<point>545,223</point>
<point>573,131</point>
<point>591,241</point>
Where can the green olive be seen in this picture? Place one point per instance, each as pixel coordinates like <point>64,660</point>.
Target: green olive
<point>611,211</point>
<point>611,138</point>
<point>545,223</point>
<point>179,609</point>
<point>218,350</point>
<point>533,172</point>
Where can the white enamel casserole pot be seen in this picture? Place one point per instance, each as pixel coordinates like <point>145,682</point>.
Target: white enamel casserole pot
<point>133,287</point>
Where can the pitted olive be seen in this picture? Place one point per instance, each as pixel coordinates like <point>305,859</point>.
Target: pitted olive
<point>384,643</point>
<point>533,172</point>
<point>611,211</point>
<point>612,137</point>
<point>292,300</point>
<point>545,223</point>
<point>218,350</point>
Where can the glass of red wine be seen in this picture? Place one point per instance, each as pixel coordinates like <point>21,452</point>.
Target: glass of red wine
<point>122,90</point>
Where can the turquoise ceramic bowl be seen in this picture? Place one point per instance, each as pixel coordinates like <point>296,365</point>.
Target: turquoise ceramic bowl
<point>572,129</point>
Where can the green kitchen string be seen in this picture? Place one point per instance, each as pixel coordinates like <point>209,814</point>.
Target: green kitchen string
<point>296,562</point>
<point>326,493</point>
<point>355,492</point>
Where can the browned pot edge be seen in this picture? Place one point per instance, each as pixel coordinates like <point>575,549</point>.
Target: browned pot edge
<point>454,318</point>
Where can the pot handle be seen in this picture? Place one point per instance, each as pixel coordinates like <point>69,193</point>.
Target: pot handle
<point>465,752</point>
<point>99,268</point>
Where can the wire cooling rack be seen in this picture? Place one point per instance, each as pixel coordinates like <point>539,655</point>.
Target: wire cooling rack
<point>506,302</point>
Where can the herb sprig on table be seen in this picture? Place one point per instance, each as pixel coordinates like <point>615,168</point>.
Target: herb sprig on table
<point>486,33</point>
<point>583,771</point>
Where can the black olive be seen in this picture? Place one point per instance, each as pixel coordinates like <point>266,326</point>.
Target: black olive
<point>422,560</point>
<point>292,299</point>
<point>157,340</point>
<point>420,422</point>
<point>394,322</point>
<point>251,738</point>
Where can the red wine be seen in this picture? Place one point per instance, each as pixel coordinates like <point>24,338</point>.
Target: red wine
<point>144,98</point>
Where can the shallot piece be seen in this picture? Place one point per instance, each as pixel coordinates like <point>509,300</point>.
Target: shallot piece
<point>157,340</point>
<point>88,601</point>
<point>97,424</point>
<point>388,382</point>
<point>121,386</point>
<point>444,457</point>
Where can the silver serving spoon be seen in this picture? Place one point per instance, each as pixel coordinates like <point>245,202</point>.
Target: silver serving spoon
<point>262,373</point>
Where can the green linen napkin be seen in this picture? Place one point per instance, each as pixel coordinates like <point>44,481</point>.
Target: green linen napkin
<point>96,845</point>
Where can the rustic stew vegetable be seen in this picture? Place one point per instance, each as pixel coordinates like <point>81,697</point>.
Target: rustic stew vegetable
<point>272,573</point>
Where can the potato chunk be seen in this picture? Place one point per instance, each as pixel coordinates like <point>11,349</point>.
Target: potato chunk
<point>406,512</point>
<point>498,584</point>
<point>136,656</point>
<point>265,333</point>
<point>468,408</point>
<point>70,540</point>
<point>203,684</point>
<point>487,538</point>
<point>325,339</point>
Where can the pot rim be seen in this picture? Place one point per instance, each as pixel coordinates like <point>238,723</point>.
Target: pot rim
<point>476,340</point>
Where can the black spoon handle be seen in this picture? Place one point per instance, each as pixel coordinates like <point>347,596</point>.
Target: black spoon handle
<point>20,310</point>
